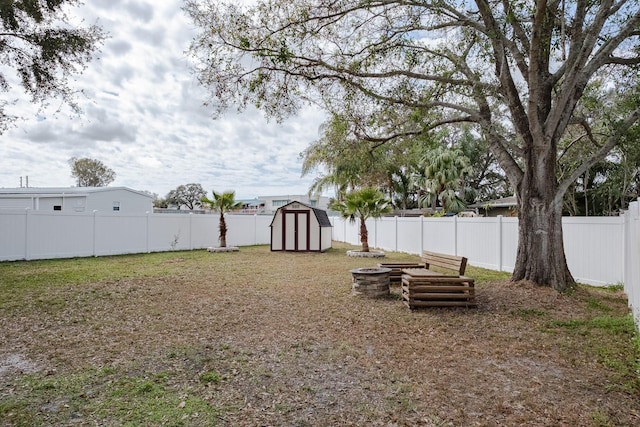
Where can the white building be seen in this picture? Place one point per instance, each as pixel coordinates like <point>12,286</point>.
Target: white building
<point>76,199</point>
<point>270,204</point>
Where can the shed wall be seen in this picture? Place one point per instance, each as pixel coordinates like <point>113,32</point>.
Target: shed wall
<point>309,235</point>
<point>276,232</point>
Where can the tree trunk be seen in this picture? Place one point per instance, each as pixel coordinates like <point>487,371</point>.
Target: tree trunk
<point>541,257</point>
<point>223,231</point>
<point>364,235</point>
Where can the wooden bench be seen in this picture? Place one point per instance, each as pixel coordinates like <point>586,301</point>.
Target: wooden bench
<point>395,276</point>
<point>454,264</point>
<point>444,287</point>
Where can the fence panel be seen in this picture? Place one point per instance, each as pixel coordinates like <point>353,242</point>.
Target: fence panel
<point>594,249</point>
<point>439,235</point>
<point>64,235</point>
<point>338,231</point>
<point>352,231</point>
<point>204,231</point>
<point>509,248</point>
<point>117,233</point>
<point>479,239</point>
<point>385,233</point>
<point>247,230</point>
<point>632,258</point>
<point>13,234</point>
<point>168,232</point>
<point>409,238</point>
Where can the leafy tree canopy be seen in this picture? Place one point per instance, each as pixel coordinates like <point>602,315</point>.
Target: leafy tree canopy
<point>39,45</point>
<point>91,172</point>
<point>189,195</point>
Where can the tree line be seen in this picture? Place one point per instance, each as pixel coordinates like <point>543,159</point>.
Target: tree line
<point>453,168</point>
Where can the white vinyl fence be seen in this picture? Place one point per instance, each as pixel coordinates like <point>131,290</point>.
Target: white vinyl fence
<point>28,234</point>
<point>594,246</point>
<point>600,250</point>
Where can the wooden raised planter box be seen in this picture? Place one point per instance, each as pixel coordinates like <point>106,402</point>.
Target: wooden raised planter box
<point>438,291</point>
<point>448,287</point>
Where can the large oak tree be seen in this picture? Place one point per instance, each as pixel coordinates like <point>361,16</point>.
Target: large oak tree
<point>189,195</point>
<point>517,70</point>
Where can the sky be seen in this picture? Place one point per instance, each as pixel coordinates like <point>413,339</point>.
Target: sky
<point>143,117</point>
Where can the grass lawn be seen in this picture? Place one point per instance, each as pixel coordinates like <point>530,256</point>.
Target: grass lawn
<point>256,338</point>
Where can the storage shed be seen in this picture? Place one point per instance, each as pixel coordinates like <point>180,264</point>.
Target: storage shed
<point>297,227</point>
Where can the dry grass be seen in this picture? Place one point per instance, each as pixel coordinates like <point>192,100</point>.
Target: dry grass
<point>260,338</point>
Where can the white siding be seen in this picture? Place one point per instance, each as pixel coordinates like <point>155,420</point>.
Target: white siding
<point>128,201</point>
<point>77,199</point>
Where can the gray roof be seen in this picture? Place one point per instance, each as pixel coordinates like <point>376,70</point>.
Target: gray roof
<point>505,202</point>
<point>323,218</point>
<point>52,191</point>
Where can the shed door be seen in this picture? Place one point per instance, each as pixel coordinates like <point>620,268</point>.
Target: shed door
<point>295,230</point>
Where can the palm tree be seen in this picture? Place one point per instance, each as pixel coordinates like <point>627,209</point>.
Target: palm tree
<point>444,178</point>
<point>222,202</point>
<point>363,204</point>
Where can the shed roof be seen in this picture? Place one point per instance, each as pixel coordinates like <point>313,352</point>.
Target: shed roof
<point>321,215</point>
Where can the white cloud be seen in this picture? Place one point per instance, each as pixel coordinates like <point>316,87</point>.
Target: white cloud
<point>143,117</point>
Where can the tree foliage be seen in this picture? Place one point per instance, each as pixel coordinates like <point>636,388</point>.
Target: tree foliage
<point>516,71</point>
<point>91,172</point>
<point>160,202</point>
<point>189,195</point>
<point>43,49</point>
<point>347,160</point>
<point>445,169</point>
<point>608,186</point>
<point>222,202</point>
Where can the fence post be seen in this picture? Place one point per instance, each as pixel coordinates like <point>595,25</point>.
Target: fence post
<point>396,232</point>
<point>190,231</point>
<point>455,235</point>
<point>421,235</point>
<point>95,231</point>
<point>148,231</point>
<point>27,226</point>
<point>499,237</point>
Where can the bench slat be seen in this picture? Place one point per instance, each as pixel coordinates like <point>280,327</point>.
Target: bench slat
<point>450,262</point>
<point>414,304</point>
<point>426,289</point>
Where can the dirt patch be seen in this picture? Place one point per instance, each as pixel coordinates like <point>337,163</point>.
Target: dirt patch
<point>283,342</point>
<point>16,363</point>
